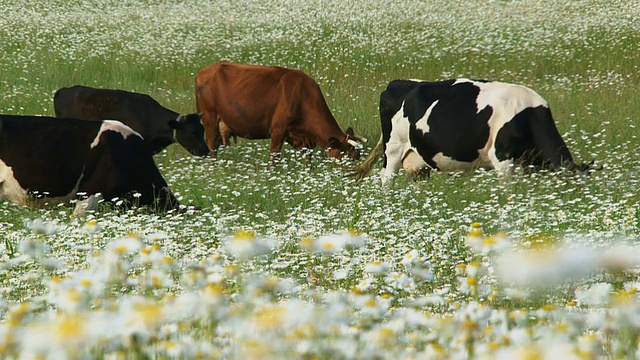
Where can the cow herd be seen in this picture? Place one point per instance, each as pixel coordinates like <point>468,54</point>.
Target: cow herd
<point>101,142</point>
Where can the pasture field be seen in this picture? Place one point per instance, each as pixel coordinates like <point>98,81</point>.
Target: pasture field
<point>299,260</point>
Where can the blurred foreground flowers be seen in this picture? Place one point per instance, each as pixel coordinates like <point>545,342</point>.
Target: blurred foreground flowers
<point>134,300</point>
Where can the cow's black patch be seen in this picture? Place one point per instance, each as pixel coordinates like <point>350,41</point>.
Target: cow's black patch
<point>532,138</point>
<point>457,128</point>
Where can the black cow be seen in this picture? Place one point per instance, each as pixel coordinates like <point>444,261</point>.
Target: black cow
<point>159,126</point>
<point>461,124</point>
<point>43,159</point>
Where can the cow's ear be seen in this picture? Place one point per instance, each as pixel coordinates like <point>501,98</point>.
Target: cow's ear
<point>334,143</point>
<point>351,135</point>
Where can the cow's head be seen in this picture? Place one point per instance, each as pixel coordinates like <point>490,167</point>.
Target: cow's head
<point>345,147</point>
<point>189,132</point>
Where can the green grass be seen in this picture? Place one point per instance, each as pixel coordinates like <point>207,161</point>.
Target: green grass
<point>584,65</point>
<point>596,113</point>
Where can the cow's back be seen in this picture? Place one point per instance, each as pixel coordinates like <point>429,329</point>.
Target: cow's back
<point>246,97</point>
<point>46,155</point>
<point>138,111</point>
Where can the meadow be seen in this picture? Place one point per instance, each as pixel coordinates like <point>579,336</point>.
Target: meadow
<point>298,260</point>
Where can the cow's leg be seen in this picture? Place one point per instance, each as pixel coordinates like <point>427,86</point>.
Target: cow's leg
<point>277,140</point>
<point>225,133</point>
<point>88,204</point>
<point>153,188</point>
<point>210,121</point>
<point>393,155</point>
<point>9,186</point>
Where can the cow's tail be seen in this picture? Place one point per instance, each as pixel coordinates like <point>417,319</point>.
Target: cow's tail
<point>365,167</point>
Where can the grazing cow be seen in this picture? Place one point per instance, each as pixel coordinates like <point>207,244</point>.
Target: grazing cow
<point>259,102</point>
<point>460,124</point>
<point>159,126</point>
<point>43,159</point>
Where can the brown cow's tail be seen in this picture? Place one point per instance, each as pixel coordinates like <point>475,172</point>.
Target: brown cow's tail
<point>365,167</point>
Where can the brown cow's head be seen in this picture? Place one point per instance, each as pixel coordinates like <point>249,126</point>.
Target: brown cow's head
<point>346,146</point>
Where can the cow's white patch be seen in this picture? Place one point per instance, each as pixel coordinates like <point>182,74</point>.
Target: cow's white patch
<point>461,81</point>
<point>448,164</point>
<point>9,186</point>
<point>397,146</point>
<point>117,126</point>
<point>506,101</point>
<point>512,99</point>
<point>423,124</point>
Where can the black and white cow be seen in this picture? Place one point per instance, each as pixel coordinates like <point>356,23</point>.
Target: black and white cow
<point>159,126</point>
<point>460,124</point>
<point>47,160</point>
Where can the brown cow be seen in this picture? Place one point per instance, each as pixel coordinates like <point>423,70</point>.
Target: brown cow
<point>259,102</point>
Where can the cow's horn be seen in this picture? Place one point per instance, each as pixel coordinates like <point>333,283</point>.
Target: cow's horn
<point>360,138</point>
<point>352,142</point>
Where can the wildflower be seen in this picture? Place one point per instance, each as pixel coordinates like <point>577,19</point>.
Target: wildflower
<point>475,269</point>
<point>340,274</point>
<point>545,267</point>
<point>69,299</point>
<point>589,346</point>
<point>515,294</point>
<point>125,245</point>
<point>307,243</point>
<point>410,257</point>
<point>139,316</point>
<point>620,258</point>
<point>269,284</point>
<point>33,249</point>
<point>334,243</point>
<point>381,338</point>
<point>91,226</point>
<point>39,226</point>
<point>364,284</point>
<point>461,269</point>
<point>475,237</point>
<point>376,267</point>
<point>62,336</point>
<point>244,245</point>
<point>157,236</point>
<point>354,238</point>
<point>207,303</point>
<point>400,281</point>
<point>421,274</point>
<point>372,306</point>
<point>156,279</point>
<point>596,294</point>
<point>330,244</point>
<point>150,255</point>
<point>496,242</point>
